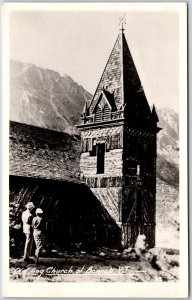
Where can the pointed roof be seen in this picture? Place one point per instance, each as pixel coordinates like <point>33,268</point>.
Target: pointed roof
<point>154,114</point>
<point>122,82</point>
<point>111,78</point>
<point>138,112</point>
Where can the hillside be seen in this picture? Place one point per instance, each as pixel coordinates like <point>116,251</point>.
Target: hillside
<point>168,146</point>
<point>43,98</point>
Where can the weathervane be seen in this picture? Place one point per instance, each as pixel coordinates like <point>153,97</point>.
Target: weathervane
<point>122,21</point>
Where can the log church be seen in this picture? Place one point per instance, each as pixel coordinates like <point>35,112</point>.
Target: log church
<point>119,148</point>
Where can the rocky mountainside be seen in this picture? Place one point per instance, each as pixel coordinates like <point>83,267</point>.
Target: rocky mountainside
<point>43,98</point>
<point>168,137</point>
<point>168,146</point>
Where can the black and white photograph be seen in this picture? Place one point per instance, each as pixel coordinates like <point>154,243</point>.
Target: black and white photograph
<point>97,137</point>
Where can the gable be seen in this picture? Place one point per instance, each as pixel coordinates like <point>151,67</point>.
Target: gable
<point>103,107</point>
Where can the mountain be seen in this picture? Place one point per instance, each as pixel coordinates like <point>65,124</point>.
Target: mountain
<point>43,98</point>
<point>167,219</point>
<point>168,146</point>
<point>168,137</point>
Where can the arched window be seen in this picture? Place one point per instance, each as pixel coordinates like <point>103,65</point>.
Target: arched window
<point>106,112</point>
<point>98,114</point>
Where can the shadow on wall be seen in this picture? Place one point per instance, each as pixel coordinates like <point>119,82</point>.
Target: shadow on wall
<point>73,214</point>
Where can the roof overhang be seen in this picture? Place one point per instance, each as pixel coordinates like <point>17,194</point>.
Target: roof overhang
<point>115,122</point>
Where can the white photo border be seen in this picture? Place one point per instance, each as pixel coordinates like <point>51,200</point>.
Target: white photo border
<point>151,289</point>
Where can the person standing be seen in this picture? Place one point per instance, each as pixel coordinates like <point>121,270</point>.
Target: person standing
<point>38,225</point>
<point>27,218</point>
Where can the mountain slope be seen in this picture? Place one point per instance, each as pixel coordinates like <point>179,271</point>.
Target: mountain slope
<point>43,98</point>
<point>168,137</point>
<point>168,146</point>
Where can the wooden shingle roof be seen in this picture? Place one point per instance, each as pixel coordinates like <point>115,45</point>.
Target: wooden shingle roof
<point>42,153</point>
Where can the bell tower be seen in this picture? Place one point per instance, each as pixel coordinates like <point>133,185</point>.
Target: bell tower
<point>118,147</point>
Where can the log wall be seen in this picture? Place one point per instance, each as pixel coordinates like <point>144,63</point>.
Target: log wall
<point>113,164</point>
<point>72,212</point>
<point>139,189</point>
<point>113,138</point>
<point>111,199</point>
<point>127,188</point>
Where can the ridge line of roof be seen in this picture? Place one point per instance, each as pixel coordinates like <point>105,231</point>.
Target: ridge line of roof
<point>43,128</point>
<point>122,67</point>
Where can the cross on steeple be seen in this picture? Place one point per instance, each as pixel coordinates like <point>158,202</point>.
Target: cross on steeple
<point>122,21</point>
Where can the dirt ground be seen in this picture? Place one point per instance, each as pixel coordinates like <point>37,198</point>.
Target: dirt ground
<point>102,267</point>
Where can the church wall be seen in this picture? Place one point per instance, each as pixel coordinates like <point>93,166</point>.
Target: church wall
<point>138,217</point>
<point>113,138</point>
<point>113,135</point>
<point>107,187</point>
<point>113,164</point>
<point>111,199</point>
<point>139,190</point>
<point>140,150</point>
<point>88,164</point>
<point>73,213</point>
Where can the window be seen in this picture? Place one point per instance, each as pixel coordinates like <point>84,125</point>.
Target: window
<point>93,152</point>
<point>106,113</point>
<point>102,112</point>
<point>98,114</point>
<point>132,168</point>
<point>100,158</point>
<point>138,170</point>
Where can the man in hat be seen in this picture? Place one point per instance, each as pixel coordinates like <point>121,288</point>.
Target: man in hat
<point>27,229</point>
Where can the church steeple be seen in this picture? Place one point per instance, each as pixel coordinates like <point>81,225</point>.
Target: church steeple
<point>118,148</point>
<point>121,82</point>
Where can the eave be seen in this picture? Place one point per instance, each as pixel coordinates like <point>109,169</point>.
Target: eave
<point>115,122</point>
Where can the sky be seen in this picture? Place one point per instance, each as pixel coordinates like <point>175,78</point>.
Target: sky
<point>79,43</point>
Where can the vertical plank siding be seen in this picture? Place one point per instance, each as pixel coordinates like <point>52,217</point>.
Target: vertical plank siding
<point>73,214</point>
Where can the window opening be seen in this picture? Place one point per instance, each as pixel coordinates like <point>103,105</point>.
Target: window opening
<point>100,158</point>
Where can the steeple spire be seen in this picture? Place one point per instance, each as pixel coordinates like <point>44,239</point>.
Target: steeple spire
<point>122,22</point>
<point>120,86</point>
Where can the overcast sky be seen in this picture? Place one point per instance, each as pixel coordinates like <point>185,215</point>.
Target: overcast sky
<point>79,44</point>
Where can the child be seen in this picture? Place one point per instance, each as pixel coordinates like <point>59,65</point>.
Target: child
<point>38,232</point>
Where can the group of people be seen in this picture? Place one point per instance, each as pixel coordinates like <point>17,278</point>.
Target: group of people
<point>33,228</point>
